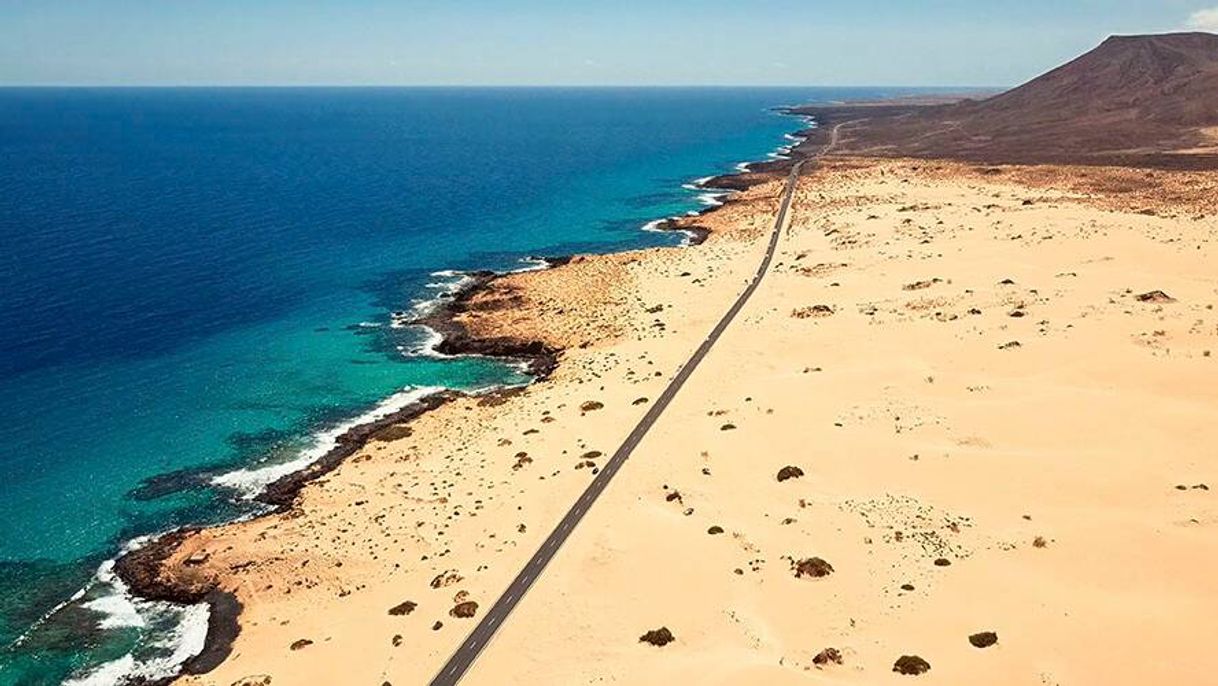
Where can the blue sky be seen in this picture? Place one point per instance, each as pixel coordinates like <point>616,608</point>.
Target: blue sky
<point>564,42</point>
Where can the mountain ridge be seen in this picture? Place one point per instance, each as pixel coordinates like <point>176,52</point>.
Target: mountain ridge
<point>1149,100</point>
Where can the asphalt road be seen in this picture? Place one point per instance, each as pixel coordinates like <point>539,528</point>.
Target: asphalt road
<point>464,657</point>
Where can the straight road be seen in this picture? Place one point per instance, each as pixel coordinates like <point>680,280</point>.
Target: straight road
<point>464,657</point>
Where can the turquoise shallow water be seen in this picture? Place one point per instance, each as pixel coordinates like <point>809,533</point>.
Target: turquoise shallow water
<point>199,281</point>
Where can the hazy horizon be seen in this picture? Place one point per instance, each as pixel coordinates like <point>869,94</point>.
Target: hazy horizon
<point>547,43</point>
<point>946,89</point>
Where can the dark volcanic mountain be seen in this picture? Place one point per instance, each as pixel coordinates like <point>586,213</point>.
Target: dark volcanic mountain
<point>1144,100</point>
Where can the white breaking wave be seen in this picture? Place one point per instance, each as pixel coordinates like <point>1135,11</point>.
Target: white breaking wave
<point>117,612</point>
<point>120,609</point>
<point>456,281</point>
<point>426,347</point>
<point>420,308</point>
<point>107,674</point>
<point>714,199</point>
<point>654,225</point>
<point>184,641</point>
<point>531,264</point>
<point>251,481</point>
<point>698,184</point>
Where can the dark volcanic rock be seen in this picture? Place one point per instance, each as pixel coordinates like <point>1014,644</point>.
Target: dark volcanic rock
<point>911,665</point>
<point>757,173</point>
<point>985,639</point>
<point>813,312</point>
<point>142,570</point>
<point>828,656</point>
<point>1156,297</point>
<point>403,609</point>
<point>814,567</point>
<point>167,484</point>
<point>715,530</point>
<point>790,472</point>
<point>464,610</point>
<point>394,433</point>
<point>282,494</point>
<point>457,340</point>
<point>302,643</point>
<point>658,637</point>
<point>697,234</point>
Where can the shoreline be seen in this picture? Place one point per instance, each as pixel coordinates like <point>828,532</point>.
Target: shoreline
<point>879,302</point>
<point>141,569</point>
<point>917,407</point>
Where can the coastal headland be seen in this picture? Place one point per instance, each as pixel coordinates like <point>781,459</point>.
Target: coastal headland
<point>1137,101</point>
<point>963,431</point>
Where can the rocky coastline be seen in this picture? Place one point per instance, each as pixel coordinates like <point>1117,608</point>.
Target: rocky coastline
<point>143,570</point>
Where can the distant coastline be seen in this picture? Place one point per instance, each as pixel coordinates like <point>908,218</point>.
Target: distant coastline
<point>358,367</point>
<point>589,326</point>
<point>278,383</point>
<point>142,569</point>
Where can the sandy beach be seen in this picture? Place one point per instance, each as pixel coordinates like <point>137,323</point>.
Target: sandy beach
<point>996,389</point>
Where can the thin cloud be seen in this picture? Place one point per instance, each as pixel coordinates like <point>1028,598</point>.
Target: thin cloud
<point>1204,20</point>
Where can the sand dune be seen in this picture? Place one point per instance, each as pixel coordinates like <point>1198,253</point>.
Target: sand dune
<point>991,403</point>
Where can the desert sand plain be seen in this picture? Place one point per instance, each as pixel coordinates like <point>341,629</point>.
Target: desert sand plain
<point>997,386</point>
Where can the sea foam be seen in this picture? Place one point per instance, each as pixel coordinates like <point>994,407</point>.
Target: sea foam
<point>183,634</point>
<point>453,282</point>
<point>251,481</point>
<point>186,639</point>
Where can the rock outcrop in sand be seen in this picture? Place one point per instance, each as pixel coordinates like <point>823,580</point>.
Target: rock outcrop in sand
<point>984,639</point>
<point>789,472</point>
<point>1155,297</point>
<point>813,567</point>
<point>404,608</point>
<point>658,637</point>
<point>911,665</point>
<point>828,656</point>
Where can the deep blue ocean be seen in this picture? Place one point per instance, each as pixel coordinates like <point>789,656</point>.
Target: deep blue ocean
<point>201,281</point>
